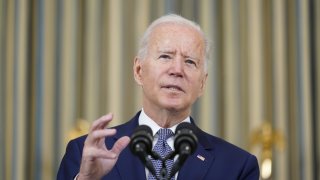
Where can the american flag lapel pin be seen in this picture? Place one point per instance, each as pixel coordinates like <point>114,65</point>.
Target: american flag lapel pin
<point>201,157</point>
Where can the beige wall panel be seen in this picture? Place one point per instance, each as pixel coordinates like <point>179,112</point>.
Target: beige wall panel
<point>306,101</point>
<point>206,115</point>
<point>20,112</point>
<point>231,74</point>
<point>67,68</point>
<point>243,50</point>
<point>49,61</point>
<point>280,88</point>
<point>255,63</point>
<point>158,6</point>
<point>255,69</point>
<point>317,38</point>
<point>141,19</point>
<point>9,90</point>
<point>92,60</point>
<point>2,91</point>
<point>187,9</point>
<point>114,71</point>
<point>294,164</point>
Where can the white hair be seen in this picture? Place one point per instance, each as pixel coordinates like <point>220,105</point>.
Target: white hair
<point>175,19</point>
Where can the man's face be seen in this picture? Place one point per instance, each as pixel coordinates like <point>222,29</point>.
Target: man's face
<point>172,73</point>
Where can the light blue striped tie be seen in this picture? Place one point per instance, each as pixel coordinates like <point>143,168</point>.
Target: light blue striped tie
<point>163,149</point>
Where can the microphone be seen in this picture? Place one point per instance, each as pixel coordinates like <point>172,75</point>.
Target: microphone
<point>185,140</point>
<point>141,145</point>
<point>185,144</point>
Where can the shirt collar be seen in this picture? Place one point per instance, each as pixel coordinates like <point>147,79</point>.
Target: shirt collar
<point>144,119</point>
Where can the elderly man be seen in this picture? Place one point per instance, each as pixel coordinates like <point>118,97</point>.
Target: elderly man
<point>171,69</point>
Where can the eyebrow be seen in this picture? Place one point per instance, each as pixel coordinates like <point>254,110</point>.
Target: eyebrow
<point>167,51</point>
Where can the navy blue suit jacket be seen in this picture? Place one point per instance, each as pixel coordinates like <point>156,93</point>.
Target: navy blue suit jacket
<point>213,159</point>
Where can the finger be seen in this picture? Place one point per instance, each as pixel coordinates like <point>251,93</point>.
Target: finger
<point>96,135</point>
<point>102,122</point>
<point>120,145</point>
<point>99,153</point>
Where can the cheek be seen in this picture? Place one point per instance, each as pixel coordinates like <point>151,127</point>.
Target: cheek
<point>197,85</point>
<point>153,72</point>
<point>148,76</point>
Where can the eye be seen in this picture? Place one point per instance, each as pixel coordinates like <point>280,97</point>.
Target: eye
<point>190,61</point>
<point>164,56</point>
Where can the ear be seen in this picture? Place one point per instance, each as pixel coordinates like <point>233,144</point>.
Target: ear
<point>203,84</point>
<point>137,70</point>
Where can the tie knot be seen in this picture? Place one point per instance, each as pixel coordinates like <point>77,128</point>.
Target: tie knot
<point>164,134</point>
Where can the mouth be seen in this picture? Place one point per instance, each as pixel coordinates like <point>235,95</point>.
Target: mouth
<point>173,88</point>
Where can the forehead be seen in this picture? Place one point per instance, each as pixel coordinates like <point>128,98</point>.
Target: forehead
<point>177,37</point>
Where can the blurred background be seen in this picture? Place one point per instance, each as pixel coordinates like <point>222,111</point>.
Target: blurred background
<point>65,63</point>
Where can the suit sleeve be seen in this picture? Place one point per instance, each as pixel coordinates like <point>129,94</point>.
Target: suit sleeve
<point>71,161</point>
<point>251,169</point>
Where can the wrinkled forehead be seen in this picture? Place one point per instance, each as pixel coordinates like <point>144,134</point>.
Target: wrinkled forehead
<point>173,36</point>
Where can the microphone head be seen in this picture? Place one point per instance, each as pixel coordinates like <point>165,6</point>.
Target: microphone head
<point>185,138</point>
<point>141,140</point>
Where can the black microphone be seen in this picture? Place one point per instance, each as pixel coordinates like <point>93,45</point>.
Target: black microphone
<point>141,145</point>
<point>185,143</point>
<point>185,140</point>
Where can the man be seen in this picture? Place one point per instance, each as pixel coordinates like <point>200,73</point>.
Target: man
<point>171,69</point>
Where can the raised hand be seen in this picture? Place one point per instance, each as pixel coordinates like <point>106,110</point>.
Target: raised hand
<point>97,160</point>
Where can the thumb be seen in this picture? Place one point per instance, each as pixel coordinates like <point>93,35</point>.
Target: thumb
<point>120,144</point>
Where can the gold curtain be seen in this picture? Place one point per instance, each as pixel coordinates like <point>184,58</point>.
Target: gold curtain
<point>63,61</point>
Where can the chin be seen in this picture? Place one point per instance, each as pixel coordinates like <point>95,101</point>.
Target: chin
<point>173,107</point>
<point>173,104</point>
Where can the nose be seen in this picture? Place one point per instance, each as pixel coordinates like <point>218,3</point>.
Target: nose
<point>176,68</point>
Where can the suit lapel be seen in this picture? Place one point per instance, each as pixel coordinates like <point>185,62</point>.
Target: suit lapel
<point>197,165</point>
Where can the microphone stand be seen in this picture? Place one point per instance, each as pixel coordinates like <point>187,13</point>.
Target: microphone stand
<point>164,175</point>
<point>140,150</point>
<point>183,155</point>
